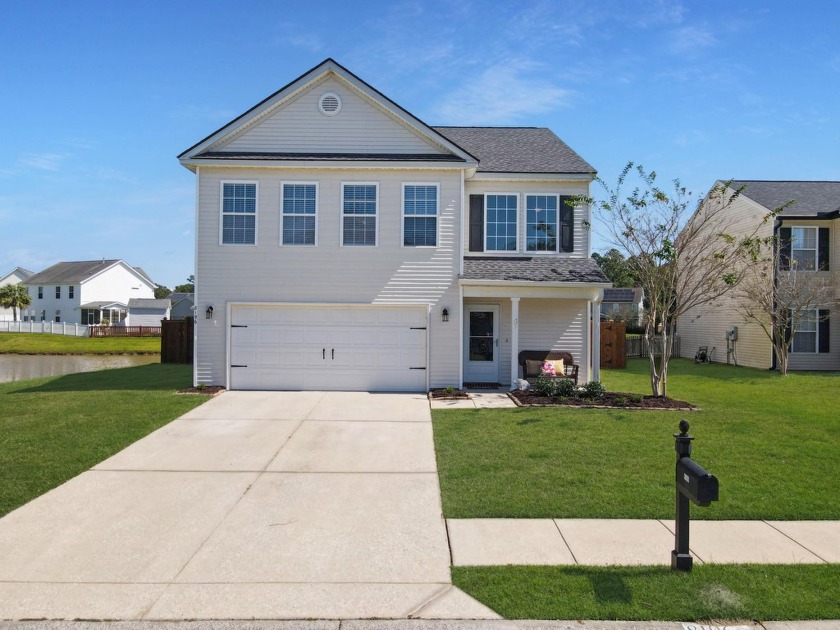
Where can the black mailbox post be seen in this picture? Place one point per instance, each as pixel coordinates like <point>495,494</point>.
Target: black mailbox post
<point>694,484</point>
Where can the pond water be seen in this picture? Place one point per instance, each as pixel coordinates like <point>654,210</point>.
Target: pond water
<point>19,367</point>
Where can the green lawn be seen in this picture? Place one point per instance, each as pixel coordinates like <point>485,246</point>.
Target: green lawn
<point>708,593</point>
<point>52,429</point>
<point>773,442</point>
<point>38,343</point>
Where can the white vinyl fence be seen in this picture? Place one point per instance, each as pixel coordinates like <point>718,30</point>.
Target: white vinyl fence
<point>71,330</point>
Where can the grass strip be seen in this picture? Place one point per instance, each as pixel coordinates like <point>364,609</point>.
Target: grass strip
<point>771,441</point>
<point>45,343</point>
<point>54,428</point>
<point>712,593</point>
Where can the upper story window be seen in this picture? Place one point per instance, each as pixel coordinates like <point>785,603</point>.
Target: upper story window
<point>804,248</point>
<point>360,204</point>
<point>420,210</point>
<point>40,293</point>
<point>71,291</point>
<point>239,213</point>
<point>58,293</point>
<point>300,207</point>
<point>502,213</point>
<point>541,223</point>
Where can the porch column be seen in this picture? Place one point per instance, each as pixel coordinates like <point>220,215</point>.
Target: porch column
<point>596,340</point>
<point>514,339</point>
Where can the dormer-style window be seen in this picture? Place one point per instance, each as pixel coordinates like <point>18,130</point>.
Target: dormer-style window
<point>501,212</point>
<point>239,213</point>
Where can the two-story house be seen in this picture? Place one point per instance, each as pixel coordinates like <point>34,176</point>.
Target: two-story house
<point>85,292</point>
<point>807,230</point>
<point>342,243</point>
<point>15,276</point>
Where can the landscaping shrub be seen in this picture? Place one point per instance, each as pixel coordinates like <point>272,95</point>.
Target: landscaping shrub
<point>593,389</point>
<point>565,387</point>
<point>545,387</point>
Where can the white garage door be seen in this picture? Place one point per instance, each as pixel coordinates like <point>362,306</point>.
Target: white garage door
<point>336,347</point>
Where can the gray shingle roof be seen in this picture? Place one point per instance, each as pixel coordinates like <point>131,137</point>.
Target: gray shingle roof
<point>364,157</point>
<point>517,150</point>
<point>811,198</point>
<point>149,303</point>
<point>623,294</point>
<point>177,297</point>
<point>532,269</point>
<point>70,272</point>
<point>144,274</point>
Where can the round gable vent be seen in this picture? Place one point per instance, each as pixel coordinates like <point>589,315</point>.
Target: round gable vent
<point>329,104</point>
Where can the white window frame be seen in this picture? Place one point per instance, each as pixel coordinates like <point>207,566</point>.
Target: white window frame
<point>815,249</point>
<point>557,236</point>
<point>40,293</point>
<point>71,292</point>
<point>283,185</point>
<point>518,248</point>
<point>816,331</point>
<point>436,215</point>
<point>58,292</point>
<point>222,212</point>
<point>341,215</point>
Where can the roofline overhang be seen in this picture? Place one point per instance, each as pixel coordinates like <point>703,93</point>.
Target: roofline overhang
<point>536,177</point>
<point>80,282</point>
<point>468,167</point>
<point>534,283</point>
<point>821,216</point>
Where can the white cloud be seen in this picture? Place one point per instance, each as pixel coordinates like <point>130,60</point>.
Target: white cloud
<point>43,161</point>
<point>504,93</point>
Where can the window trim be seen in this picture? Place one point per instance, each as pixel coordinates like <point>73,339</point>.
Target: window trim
<point>71,292</point>
<point>40,293</point>
<point>816,248</point>
<point>341,215</point>
<point>436,215</point>
<point>558,237</point>
<point>816,350</point>
<point>222,212</point>
<point>518,249</point>
<point>283,185</point>
<point>58,292</point>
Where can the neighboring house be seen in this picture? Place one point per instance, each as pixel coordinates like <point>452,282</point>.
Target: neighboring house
<point>342,243</point>
<point>147,312</point>
<point>623,303</point>
<point>86,292</point>
<point>15,276</point>
<point>183,305</point>
<point>809,231</point>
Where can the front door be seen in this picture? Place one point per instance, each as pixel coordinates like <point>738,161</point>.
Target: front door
<point>481,343</point>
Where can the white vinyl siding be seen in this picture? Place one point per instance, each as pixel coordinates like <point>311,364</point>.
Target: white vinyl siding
<point>420,210</point>
<point>806,334</point>
<point>359,214</point>
<point>804,248</point>
<point>501,217</point>
<point>541,221</point>
<point>239,213</point>
<point>300,213</point>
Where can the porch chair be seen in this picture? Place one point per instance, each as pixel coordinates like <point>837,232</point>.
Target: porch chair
<point>532,361</point>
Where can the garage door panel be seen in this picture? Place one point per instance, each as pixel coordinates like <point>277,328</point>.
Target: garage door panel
<point>335,347</point>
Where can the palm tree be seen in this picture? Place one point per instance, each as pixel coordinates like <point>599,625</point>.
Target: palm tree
<point>14,296</point>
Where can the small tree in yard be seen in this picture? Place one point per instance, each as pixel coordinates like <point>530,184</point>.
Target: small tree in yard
<point>14,296</point>
<point>681,260</point>
<point>780,298</point>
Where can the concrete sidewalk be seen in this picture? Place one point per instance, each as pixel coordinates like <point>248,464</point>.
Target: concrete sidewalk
<point>256,505</point>
<point>476,542</point>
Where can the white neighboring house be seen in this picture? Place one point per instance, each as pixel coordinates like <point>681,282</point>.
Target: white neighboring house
<point>15,276</point>
<point>183,305</point>
<point>342,243</point>
<point>808,231</point>
<point>86,292</point>
<point>147,312</point>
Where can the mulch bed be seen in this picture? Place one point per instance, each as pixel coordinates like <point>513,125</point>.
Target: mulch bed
<point>213,390</point>
<point>443,393</point>
<point>610,400</point>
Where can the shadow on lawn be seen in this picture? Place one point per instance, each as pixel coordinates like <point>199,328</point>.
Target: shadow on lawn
<point>151,377</point>
<point>610,585</point>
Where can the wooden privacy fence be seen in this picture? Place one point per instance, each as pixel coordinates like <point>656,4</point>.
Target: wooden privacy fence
<point>638,347</point>
<point>613,339</point>
<point>124,331</point>
<point>176,341</point>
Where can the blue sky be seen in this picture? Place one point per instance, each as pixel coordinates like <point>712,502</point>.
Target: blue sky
<point>98,98</point>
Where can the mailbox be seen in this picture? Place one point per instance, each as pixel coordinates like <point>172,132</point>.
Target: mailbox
<point>696,483</point>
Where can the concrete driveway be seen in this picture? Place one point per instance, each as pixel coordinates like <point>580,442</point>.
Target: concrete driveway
<point>265,505</point>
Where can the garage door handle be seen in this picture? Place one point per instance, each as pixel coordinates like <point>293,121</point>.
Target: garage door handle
<point>323,353</point>
<point>333,354</point>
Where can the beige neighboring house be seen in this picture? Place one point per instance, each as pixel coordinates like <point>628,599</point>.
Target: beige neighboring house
<point>809,230</point>
<point>342,243</point>
<point>15,276</point>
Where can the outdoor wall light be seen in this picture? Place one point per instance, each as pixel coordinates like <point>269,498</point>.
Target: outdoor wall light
<point>209,312</point>
<point>444,315</point>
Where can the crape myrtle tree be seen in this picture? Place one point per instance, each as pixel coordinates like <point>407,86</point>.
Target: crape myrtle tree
<point>683,255</point>
<point>781,298</point>
<point>14,296</point>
